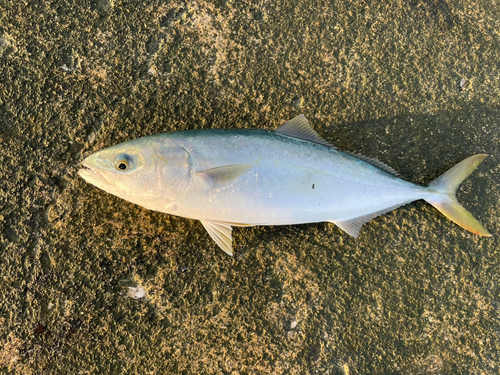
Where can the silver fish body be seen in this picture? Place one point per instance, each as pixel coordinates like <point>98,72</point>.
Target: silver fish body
<point>228,178</point>
<point>288,181</point>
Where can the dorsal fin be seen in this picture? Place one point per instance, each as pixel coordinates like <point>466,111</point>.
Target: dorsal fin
<point>375,162</point>
<point>299,127</point>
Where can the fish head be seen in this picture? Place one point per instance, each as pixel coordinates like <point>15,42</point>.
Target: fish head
<point>151,171</point>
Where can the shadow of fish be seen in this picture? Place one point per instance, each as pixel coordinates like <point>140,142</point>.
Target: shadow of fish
<point>227,178</point>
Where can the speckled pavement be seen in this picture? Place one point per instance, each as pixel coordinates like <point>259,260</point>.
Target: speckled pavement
<point>91,284</point>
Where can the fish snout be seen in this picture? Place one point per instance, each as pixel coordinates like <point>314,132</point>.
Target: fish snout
<point>95,175</point>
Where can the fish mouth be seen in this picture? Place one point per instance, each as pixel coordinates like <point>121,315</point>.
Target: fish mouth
<point>95,175</point>
<point>87,172</point>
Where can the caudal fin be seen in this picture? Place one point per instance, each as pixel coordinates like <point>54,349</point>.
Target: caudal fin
<point>447,203</point>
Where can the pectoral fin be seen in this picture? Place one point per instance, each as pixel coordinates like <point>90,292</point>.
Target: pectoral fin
<point>223,175</point>
<point>221,234</point>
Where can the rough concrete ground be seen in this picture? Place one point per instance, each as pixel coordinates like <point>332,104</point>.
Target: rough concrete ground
<point>92,284</point>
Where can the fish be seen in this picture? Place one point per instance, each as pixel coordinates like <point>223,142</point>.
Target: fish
<point>228,178</point>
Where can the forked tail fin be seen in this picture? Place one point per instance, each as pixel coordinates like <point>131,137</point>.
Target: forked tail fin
<point>447,203</point>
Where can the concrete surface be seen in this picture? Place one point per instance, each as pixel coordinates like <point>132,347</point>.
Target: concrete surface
<point>92,284</point>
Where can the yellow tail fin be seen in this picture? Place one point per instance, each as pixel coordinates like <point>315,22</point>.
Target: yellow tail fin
<point>447,203</point>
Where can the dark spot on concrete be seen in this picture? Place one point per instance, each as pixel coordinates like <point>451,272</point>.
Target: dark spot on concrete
<point>11,234</point>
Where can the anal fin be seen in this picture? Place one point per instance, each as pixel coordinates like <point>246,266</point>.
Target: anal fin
<point>353,226</point>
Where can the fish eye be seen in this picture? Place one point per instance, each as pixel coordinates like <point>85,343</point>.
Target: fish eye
<point>123,163</point>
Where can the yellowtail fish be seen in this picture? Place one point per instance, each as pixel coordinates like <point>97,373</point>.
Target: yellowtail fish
<point>227,178</point>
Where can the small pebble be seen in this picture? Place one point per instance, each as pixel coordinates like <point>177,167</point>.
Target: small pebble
<point>137,292</point>
<point>344,369</point>
<point>297,102</point>
<point>4,43</point>
<point>463,84</point>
